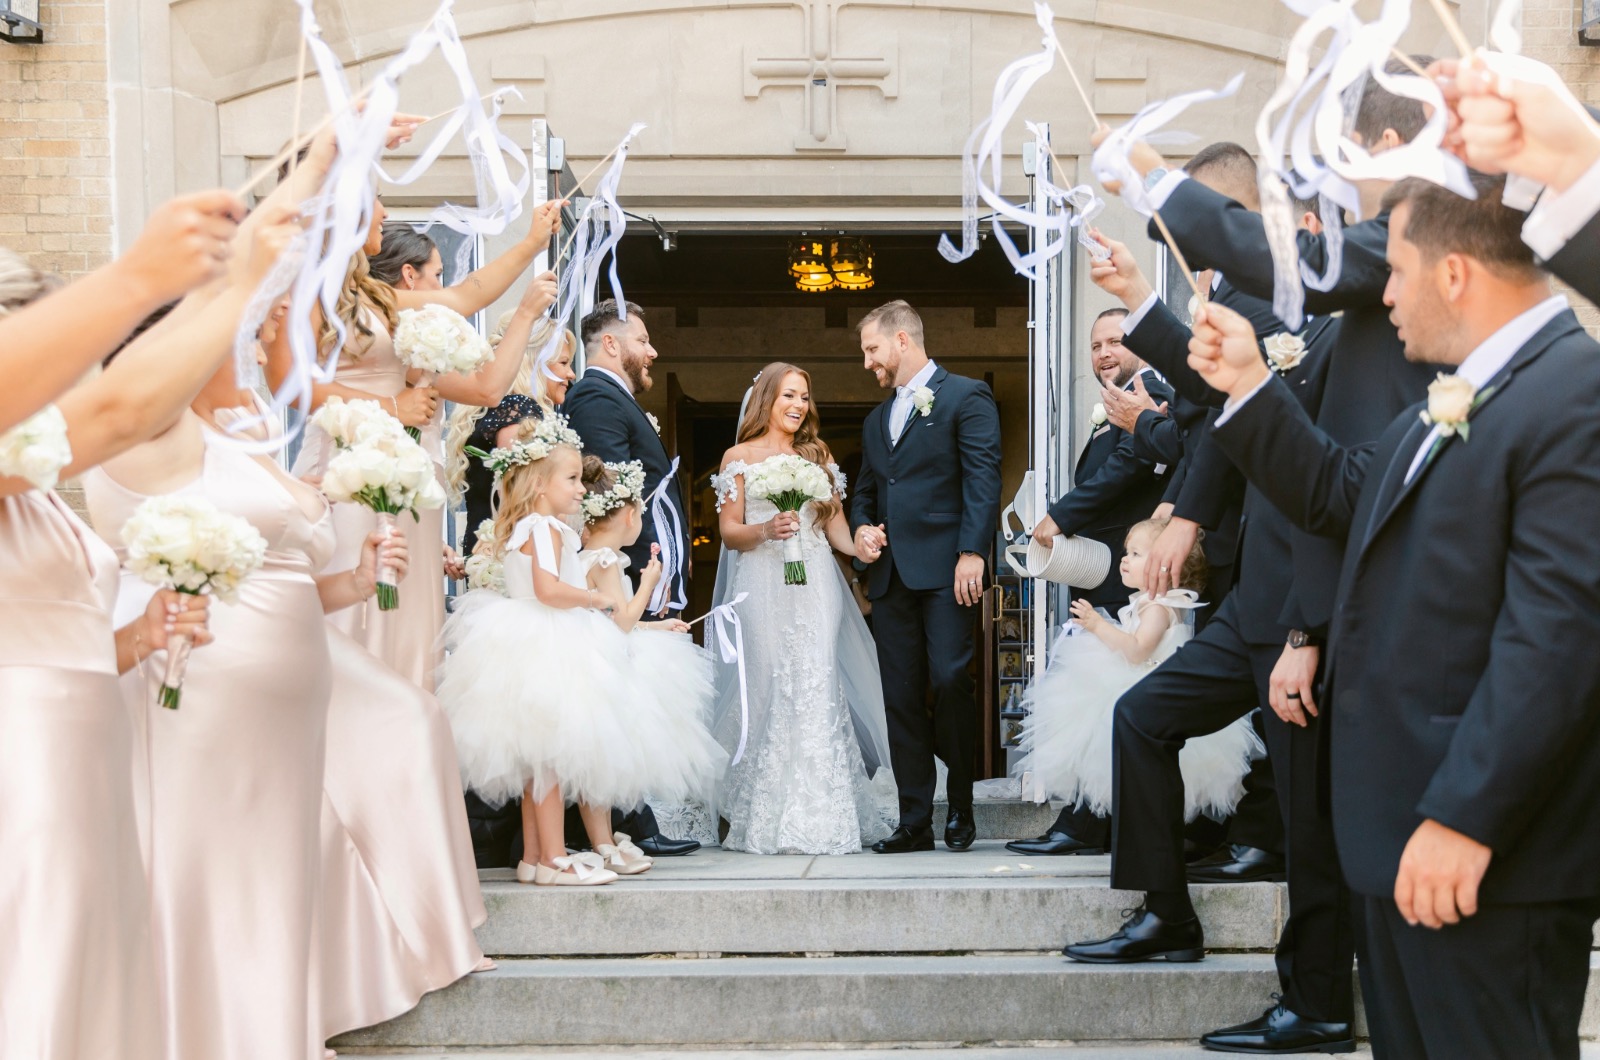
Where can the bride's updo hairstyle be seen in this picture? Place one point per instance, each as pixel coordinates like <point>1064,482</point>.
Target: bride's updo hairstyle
<point>526,468</point>
<point>807,440</point>
<point>616,491</point>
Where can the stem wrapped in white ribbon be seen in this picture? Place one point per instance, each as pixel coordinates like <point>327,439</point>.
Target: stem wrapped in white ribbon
<point>388,579</point>
<point>669,591</point>
<point>724,627</point>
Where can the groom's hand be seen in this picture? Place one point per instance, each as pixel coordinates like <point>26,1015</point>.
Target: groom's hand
<point>969,579</point>
<point>1440,870</point>
<point>870,541</point>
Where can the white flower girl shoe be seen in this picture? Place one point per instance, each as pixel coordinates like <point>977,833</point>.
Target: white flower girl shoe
<point>575,870</point>
<point>625,858</point>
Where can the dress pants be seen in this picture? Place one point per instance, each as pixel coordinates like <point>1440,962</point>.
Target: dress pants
<point>925,640</point>
<point>1505,984</point>
<point>1211,681</point>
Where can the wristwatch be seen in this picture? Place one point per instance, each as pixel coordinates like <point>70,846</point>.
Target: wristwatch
<point>1299,638</point>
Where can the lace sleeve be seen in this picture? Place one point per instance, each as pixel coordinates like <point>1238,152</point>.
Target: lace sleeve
<point>513,409</point>
<point>726,484</point>
<point>839,481</point>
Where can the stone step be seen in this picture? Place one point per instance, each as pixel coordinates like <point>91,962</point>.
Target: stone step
<point>1076,1051</point>
<point>836,1001</point>
<point>999,912</point>
<point>1002,818</point>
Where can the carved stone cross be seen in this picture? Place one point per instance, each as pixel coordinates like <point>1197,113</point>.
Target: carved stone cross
<point>819,74</point>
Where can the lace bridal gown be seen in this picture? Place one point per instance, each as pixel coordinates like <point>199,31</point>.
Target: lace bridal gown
<point>815,775</point>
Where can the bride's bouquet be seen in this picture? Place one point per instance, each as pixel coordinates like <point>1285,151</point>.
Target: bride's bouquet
<point>186,544</point>
<point>437,341</point>
<point>377,465</point>
<point>790,483</point>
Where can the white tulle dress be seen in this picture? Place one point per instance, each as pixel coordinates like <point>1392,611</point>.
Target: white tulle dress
<point>1066,738</point>
<point>545,695</point>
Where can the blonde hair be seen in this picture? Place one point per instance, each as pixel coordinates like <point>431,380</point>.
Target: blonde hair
<point>1195,570</point>
<point>521,485</point>
<point>807,440</point>
<point>360,291</point>
<point>463,419</point>
<point>20,282</point>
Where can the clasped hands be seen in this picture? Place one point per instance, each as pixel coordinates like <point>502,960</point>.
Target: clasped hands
<point>871,540</point>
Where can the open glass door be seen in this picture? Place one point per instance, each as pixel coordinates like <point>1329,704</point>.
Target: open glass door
<point>1034,605</point>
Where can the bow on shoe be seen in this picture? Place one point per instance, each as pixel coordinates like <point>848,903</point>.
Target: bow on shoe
<point>625,843</point>
<point>584,866</point>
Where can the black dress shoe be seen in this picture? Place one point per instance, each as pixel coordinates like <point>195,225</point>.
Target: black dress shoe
<point>1239,864</point>
<point>1051,844</point>
<point>960,830</point>
<point>1144,937</point>
<point>905,840</point>
<point>659,846</point>
<point>1278,1032</point>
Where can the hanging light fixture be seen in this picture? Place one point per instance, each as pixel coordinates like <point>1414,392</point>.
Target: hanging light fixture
<point>827,264</point>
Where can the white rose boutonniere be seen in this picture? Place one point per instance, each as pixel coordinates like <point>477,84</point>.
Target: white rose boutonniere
<point>1451,400</point>
<point>655,424</point>
<point>1285,352</point>
<point>1097,415</point>
<point>922,401</point>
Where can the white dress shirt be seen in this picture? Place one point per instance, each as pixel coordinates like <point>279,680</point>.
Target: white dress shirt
<point>1558,216</point>
<point>627,387</point>
<point>900,411</point>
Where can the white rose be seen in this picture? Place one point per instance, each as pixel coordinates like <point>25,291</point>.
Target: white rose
<point>343,479</point>
<point>376,466</point>
<point>1097,415</point>
<point>1285,351</point>
<point>1450,401</point>
<point>431,495</point>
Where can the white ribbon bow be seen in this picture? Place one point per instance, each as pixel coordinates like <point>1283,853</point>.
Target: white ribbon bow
<point>584,865</point>
<point>1111,163</point>
<point>720,621</point>
<point>664,514</point>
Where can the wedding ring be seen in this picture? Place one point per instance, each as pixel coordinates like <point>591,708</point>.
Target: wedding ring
<point>1165,569</point>
<point>1293,695</point>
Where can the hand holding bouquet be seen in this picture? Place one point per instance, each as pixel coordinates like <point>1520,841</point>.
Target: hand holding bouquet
<point>437,340</point>
<point>790,483</point>
<point>485,570</point>
<point>186,545</point>
<point>379,466</point>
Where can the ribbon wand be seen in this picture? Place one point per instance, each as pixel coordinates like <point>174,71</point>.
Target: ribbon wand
<point>729,634</point>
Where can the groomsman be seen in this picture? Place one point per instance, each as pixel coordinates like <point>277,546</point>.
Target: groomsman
<point>603,407</point>
<point>1221,673</point>
<point>1465,761</point>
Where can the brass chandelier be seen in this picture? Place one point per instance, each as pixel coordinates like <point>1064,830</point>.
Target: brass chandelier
<point>831,263</point>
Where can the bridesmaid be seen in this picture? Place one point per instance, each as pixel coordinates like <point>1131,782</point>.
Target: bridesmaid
<point>76,967</point>
<point>406,637</point>
<point>537,390</point>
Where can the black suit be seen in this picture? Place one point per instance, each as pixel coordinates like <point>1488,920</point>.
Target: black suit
<point>1578,262</point>
<point>1463,686</point>
<point>1113,488</point>
<point>1221,675</point>
<point>614,428</point>
<point>937,493</point>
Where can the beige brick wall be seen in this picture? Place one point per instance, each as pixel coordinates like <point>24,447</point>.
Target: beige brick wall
<point>55,187</point>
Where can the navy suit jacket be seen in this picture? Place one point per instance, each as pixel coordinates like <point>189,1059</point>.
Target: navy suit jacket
<point>936,491</point>
<point>614,428</point>
<point>1462,683</point>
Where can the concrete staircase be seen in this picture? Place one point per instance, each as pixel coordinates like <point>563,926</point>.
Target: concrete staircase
<point>720,951</point>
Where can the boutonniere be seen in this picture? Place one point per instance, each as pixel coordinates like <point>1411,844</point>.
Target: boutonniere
<point>655,424</point>
<point>1285,352</point>
<point>922,401</point>
<point>1097,415</point>
<point>1451,401</point>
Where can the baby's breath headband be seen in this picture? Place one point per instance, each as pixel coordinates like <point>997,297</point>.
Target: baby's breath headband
<point>628,488</point>
<point>551,432</point>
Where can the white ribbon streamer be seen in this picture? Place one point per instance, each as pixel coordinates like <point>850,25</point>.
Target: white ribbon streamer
<point>1111,161</point>
<point>719,622</point>
<point>663,514</point>
<point>984,150</point>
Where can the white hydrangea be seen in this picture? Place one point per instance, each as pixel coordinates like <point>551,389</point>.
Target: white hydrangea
<point>37,448</point>
<point>187,544</point>
<point>439,340</point>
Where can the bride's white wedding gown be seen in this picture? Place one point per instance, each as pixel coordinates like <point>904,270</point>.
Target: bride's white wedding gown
<point>816,723</point>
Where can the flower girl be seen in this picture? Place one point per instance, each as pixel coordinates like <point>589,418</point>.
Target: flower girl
<point>685,761</point>
<point>1067,735</point>
<point>539,684</point>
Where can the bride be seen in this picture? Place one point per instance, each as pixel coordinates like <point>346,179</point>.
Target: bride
<point>816,733</point>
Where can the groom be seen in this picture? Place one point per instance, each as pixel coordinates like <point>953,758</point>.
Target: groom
<point>926,506</point>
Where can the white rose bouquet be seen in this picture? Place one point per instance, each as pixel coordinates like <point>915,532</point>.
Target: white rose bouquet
<point>789,482</point>
<point>484,569</point>
<point>186,544</point>
<point>377,465</point>
<point>37,449</point>
<point>437,340</point>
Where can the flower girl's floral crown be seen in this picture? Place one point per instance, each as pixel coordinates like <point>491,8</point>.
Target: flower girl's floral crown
<point>628,488</point>
<point>551,431</point>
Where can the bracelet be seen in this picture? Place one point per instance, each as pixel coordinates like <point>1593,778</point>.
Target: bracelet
<point>395,401</point>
